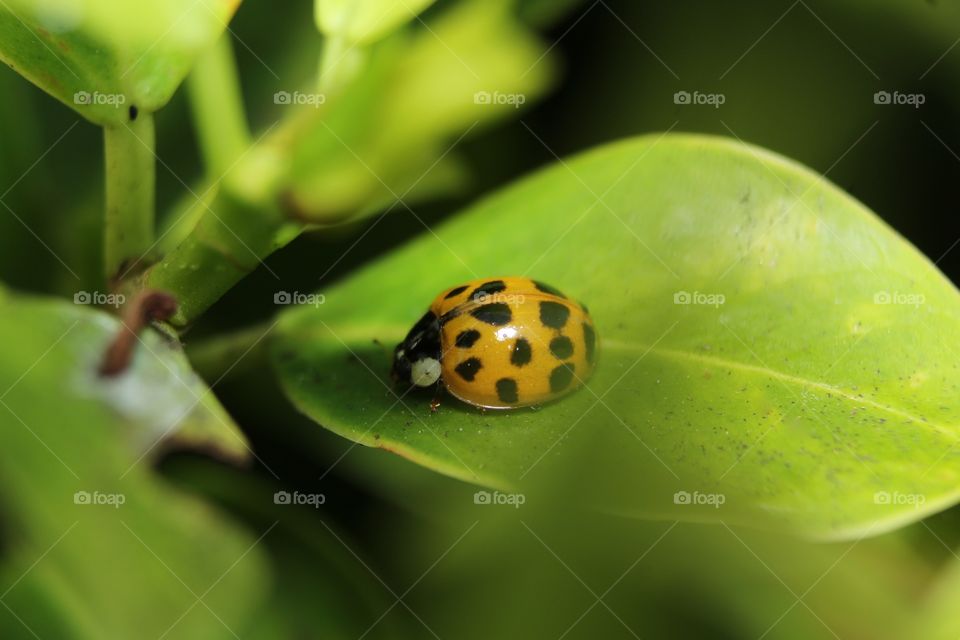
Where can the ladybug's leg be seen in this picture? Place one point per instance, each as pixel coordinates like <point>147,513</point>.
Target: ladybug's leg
<point>437,392</point>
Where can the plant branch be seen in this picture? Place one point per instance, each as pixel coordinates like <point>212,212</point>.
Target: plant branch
<point>239,228</point>
<point>130,186</point>
<point>217,106</point>
<point>339,64</point>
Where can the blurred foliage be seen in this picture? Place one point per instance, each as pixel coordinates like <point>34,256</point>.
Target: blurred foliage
<point>389,139</point>
<point>797,78</point>
<point>384,142</point>
<point>319,589</point>
<point>78,490</point>
<point>364,21</point>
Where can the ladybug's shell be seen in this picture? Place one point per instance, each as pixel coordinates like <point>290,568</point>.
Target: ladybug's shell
<point>512,342</point>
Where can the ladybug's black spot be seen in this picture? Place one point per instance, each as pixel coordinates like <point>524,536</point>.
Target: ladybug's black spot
<point>561,377</point>
<point>561,347</point>
<point>495,313</point>
<point>507,390</point>
<point>521,353</point>
<point>553,314</point>
<point>488,289</point>
<point>455,292</point>
<point>468,369</point>
<point>584,307</point>
<point>465,339</point>
<point>589,341</point>
<point>547,289</point>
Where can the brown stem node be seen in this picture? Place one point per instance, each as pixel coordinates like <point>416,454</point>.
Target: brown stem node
<point>146,307</point>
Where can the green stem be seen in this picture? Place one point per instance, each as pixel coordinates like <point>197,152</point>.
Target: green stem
<point>213,239</point>
<point>130,186</point>
<point>339,64</point>
<point>182,218</point>
<point>219,251</point>
<point>217,105</point>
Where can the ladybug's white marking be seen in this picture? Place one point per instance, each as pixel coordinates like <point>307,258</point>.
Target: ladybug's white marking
<point>425,372</point>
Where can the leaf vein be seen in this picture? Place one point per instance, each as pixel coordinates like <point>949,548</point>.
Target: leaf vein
<point>779,375</point>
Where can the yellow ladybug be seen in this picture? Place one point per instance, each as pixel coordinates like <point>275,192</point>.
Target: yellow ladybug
<point>500,343</point>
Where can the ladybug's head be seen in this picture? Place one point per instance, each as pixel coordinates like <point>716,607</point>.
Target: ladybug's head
<point>416,360</point>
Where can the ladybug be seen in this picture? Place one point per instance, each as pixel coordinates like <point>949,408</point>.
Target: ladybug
<point>499,344</point>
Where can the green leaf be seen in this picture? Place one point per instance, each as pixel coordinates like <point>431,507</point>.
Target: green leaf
<point>819,389</point>
<point>364,21</point>
<point>87,524</point>
<point>102,57</point>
